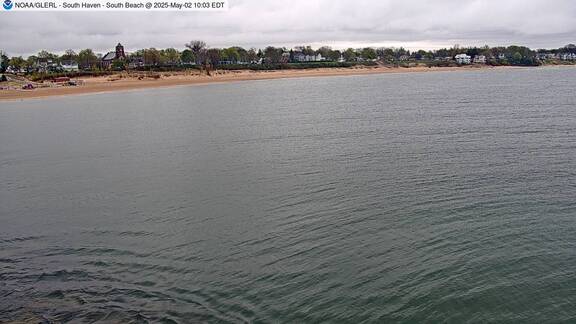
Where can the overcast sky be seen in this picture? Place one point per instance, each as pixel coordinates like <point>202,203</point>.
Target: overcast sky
<point>413,24</point>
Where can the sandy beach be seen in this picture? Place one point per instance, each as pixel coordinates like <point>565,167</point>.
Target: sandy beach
<point>131,81</point>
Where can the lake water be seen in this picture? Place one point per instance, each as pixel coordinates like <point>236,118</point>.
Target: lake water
<point>410,198</point>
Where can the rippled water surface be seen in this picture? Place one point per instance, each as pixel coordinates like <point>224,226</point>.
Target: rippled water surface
<point>413,198</point>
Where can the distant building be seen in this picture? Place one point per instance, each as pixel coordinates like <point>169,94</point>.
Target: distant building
<point>546,56</point>
<point>301,57</point>
<point>568,57</point>
<point>317,58</point>
<point>136,62</point>
<point>69,66</point>
<point>110,57</point>
<point>463,59</point>
<point>46,65</point>
<point>480,59</point>
<point>14,70</point>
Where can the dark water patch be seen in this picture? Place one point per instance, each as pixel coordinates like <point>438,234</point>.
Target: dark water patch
<point>20,239</point>
<point>64,275</point>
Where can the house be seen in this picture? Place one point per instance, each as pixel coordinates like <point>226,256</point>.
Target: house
<point>568,57</point>
<point>69,66</point>
<point>14,70</point>
<point>298,57</point>
<point>136,62</point>
<point>501,56</point>
<point>110,57</point>
<point>480,59</point>
<point>547,56</point>
<point>463,59</point>
<point>46,65</point>
<point>301,57</point>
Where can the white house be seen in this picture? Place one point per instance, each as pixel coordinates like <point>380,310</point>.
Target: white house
<point>318,57</point>
<point>45,65</point>
<point>546,56</point>
<point>568,57</point>
<point>70,66</point>
<point>301,57</point>
<point>14,70</point>
<point>480,59</point>
<point>463,59</point>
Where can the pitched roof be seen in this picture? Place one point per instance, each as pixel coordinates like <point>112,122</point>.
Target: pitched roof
<point>109,57</point>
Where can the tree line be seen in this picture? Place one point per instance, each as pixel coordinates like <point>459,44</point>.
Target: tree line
<point>197,52</point>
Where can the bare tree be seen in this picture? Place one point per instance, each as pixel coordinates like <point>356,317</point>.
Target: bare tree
<point>198,49</point>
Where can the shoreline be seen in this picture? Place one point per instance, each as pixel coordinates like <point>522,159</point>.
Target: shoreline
<point>125,82</point>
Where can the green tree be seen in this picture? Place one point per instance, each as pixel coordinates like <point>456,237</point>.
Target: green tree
<point>308,50</point>
<point>4,62</point>
<point>170,56</point>
<point>349,55</point>
<point>151,56</point>
<point>242,54</point>
<point>69,56</point>
<point>45,55</point>
<point>399,52</point>
<point>252,55</point>
<point>273,54</point>
<point>31,62</point>
<point>334,55</point>
<point>186,56</point>
<point>230,54</point>
<point>87,59</point>
<point>368,53</point>
<point>17,62</point>
<point>118,65</point>
<point>325,51</point>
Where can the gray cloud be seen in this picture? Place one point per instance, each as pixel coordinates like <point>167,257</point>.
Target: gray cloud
<point>256,23</point>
